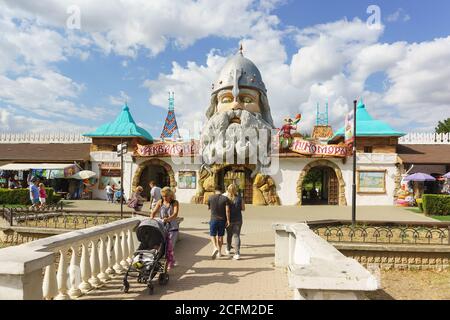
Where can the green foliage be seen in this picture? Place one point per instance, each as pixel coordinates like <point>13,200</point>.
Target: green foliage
<point>443,126</point>
<point>22,196</point>
<point>436,204</point>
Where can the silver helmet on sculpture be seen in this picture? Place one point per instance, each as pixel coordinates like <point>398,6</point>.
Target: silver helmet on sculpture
<point>238,72</point>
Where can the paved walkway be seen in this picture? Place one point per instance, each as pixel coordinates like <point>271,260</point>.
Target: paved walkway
<point>254,277</point>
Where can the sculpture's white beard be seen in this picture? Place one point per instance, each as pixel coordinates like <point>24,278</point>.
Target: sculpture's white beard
<point>223,141</point>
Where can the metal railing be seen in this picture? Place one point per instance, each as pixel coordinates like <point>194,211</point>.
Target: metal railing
<point>429,233</point>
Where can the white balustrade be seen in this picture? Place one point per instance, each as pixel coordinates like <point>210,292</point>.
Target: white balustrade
<point>74,270</point>
<point>110,256</point>
<point>425,138</point>
<point>62,275</point>
<point>118,254</point>
<point>95,265</point>
<point>21,266</point>
<point>316,269</point>
<point>103,275</point>
<point>124,245</point>
<point>44,137</point>
<point>85,268</point>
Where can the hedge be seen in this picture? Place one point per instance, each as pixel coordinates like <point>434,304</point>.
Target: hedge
<point>436,204</point>
<point>22,196</point>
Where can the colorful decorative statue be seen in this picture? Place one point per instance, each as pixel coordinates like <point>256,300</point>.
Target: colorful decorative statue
<point>286,131</point>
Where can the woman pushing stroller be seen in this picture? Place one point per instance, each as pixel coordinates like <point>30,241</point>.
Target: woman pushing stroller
<point>168,209</point>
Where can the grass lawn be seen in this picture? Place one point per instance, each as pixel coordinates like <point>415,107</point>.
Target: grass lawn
<point>440,218</point>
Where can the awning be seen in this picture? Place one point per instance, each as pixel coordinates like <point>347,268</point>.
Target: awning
<point>38,166</point>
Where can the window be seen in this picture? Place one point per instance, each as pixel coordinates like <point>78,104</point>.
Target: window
<point>368,149</point>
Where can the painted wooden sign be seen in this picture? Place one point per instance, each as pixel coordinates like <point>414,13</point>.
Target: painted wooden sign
<point>311,148</point>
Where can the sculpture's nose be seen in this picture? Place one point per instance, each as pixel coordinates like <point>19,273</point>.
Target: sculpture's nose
<point>236,105</point>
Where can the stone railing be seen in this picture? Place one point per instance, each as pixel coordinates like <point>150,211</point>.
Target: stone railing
<point>316,270</point>
<point>425,138</point>
<point>68,265</point>
<point>44,137</point>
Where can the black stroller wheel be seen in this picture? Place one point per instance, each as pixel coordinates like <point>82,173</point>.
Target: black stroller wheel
<point>125,287</point>
<point>163,279</point>
<point>150,290</point>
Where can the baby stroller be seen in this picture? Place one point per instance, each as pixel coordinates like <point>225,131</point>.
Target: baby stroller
<point>150,258</point>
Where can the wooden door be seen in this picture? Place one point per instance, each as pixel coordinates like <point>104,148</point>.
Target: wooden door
<point>333,189</point>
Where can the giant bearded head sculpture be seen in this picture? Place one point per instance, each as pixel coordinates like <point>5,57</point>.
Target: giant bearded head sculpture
<point>238,111</point>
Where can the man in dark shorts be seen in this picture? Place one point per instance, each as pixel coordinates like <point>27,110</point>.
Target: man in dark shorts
<point>220,219</point>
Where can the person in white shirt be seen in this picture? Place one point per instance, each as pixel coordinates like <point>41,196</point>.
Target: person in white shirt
<point>155,194</point>
<point>109,193</point>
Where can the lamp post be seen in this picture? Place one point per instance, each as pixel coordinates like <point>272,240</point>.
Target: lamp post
<point>122,148</point>
<point>354,166</point>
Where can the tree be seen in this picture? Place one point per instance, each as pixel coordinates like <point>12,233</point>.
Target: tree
<point>443,126</point>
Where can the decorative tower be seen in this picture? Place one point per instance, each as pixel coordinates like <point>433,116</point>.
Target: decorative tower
<point>322,130</point>
<point>170,129</point>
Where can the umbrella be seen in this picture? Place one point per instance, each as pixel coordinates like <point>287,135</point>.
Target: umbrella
<point>82,175</point>
<point>419,177</point>
<point>447,175</point>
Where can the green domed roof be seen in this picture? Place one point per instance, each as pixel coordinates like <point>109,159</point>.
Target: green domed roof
<point>367,126</point>
<point>123,127</point>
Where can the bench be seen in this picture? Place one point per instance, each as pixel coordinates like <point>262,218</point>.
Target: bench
<point>316,270</point>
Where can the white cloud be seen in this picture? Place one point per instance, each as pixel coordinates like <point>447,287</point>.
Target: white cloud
<point>126,26</point>
<point>333,63</point>
<point>400,14</point>
<point>120,99</point>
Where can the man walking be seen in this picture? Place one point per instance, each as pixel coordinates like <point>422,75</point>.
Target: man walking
<point>220,219</point>
<point>155,194</point>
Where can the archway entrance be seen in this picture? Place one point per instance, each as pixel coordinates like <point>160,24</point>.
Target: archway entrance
<point>320,187</point>
<point>156,170</point>
<point>241,177</point>
<point>156,173</point>
<point>321,182</point>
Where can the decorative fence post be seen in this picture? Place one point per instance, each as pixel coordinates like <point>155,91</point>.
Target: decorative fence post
<point>62,276</point>
<point>74,271</point>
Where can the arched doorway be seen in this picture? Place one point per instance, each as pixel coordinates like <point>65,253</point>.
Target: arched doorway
<point>241,177</point>
<point>156,170</point>
<point>320,187</point>
<point>321,183</point>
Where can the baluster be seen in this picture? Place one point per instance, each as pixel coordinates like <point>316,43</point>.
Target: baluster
<point>95,268</point>
<point>85,268</point>
<point>74,273</point>
<point>124,262</point>
<point>50,285</point>
<point>110,256</point>
<point>118,254</point>
<point>130,246</point>
<point>103,276</point>
<point>62,276</point>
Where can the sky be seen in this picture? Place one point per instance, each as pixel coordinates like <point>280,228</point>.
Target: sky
<point>71,65</point>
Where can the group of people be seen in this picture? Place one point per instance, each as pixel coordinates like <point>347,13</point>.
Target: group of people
<point>226,216</point>
<point>164,206</point>
<point>113,195</point>
<point>38,195</point>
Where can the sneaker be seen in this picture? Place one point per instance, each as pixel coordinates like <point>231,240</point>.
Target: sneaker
<point>227,252</point>
<point>236,256</point>
<point>219,254</point>
<point>214,254</point>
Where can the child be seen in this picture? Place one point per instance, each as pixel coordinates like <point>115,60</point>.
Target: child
<point>42,195</point>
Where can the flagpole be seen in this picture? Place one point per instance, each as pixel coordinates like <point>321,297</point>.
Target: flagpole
<point>354,166</point>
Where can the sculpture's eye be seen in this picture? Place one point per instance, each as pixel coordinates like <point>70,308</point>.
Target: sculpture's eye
<point>227,99</point>
<point>247,99</point>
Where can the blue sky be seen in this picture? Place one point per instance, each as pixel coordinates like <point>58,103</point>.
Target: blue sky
<point>55,79</point>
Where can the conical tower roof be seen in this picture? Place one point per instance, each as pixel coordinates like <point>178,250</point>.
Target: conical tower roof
<point>367,126</point>
<point>170,129</point>
<point>123,127</point>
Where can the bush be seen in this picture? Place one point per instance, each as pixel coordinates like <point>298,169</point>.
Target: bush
<point>436,204</point>
<point>22,196</point>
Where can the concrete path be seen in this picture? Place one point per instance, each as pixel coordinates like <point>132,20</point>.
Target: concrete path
<point>254,277</point>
